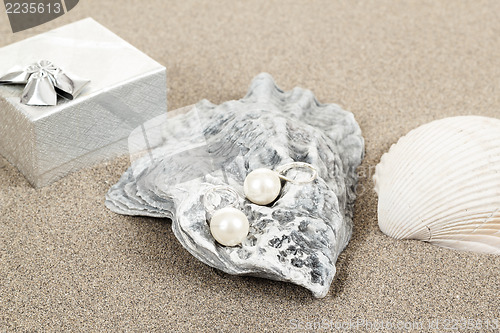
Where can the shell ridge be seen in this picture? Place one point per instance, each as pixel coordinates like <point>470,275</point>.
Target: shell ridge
<point>442,181</point>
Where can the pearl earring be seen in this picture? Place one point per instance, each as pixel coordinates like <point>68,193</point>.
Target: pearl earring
<point>262,186</point>
<point>228,225</point>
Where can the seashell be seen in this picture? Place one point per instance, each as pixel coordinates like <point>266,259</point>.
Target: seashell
<point>440,183</point>
<point>298,237</point>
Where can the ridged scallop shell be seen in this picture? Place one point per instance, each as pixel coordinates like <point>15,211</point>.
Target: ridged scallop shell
<point>441,184</point>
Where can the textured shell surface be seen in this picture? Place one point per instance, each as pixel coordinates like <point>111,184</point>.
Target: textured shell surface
<point>440,183</point>
<point>299,236</point>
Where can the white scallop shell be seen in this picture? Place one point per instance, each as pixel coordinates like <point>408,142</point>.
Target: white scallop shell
<point>441,184</point>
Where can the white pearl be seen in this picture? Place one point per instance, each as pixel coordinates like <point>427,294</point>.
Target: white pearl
<point>262,186</point>
<point>229,226</point>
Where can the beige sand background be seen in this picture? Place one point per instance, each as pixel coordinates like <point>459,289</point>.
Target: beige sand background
<point>69,264</point>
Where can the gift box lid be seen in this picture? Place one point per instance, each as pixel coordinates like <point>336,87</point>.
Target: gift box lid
<point>84,48</point>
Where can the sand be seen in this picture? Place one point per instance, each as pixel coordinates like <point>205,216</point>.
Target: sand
<point>69,264</point>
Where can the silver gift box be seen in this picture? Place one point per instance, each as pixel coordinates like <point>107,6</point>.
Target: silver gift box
<point>127,88</point>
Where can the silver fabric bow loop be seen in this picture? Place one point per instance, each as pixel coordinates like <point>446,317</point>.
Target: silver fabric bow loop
<point>44,82</point>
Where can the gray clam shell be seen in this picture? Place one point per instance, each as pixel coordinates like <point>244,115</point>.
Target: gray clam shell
<point>298,237</point>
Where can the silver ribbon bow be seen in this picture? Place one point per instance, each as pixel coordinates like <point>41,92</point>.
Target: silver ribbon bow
<point>44,82</point>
